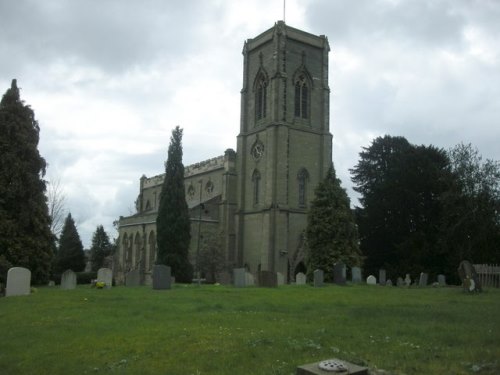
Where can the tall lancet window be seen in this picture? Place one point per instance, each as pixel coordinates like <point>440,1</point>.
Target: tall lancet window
<point>256,186</point>
<point>302,178</point>
<point>301,97</point>
<point>261,98</point>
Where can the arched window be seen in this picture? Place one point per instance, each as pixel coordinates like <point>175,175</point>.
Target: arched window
<point>261,98</point>
<point>302,178</point>
<point>256,186</point>
<point>301,97</point>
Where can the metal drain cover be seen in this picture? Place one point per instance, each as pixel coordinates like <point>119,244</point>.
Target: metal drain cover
<point>332,365</point>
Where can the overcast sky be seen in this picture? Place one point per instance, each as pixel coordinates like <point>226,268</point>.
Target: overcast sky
<point>109,80</point>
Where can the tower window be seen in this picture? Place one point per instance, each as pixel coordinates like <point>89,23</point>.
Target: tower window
<point>302,177</point>
<point>261,99</point>
<point>301,98</point>
<point>256,186</point>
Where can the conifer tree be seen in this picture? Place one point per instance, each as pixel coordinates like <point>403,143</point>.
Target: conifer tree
<point>70,253</point>
<point>331,232</point>
<point>100,249</point>
<point>25,238</point>
<point>173,224</point>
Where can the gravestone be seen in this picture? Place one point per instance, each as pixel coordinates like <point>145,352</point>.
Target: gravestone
<point>268,279</point>
<point>356,276</point>
<point>388,282</point>
<point>300,279</point>
<point>423,279</point>
<point>133,278</point>
<point>162,277</point>
<point>239,277</point>
<point>371,280</point>
<point>18,282</point>
<point>442,280</point>
<point>319,278</point>
<point>281,278</point>
<point>400,282</point>
<point>68,280</point>
<point>52,283</point>
<point>407,280</point>
<point>339,273</point>
<point>381,276</point>
<point>249,279</point>
<point>468,275</point>
<point>105,275</point>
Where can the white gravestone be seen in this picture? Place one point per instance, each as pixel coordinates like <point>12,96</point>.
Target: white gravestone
<point>371,280</point>
<point>105,275</point>
<point>68,280</point>
<point>300,279</point>
<point>18,282</point>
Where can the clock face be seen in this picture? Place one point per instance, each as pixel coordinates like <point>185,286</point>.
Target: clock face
<point>257,151</point>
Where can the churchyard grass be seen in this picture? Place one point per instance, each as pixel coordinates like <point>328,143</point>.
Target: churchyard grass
<point>225,330</point>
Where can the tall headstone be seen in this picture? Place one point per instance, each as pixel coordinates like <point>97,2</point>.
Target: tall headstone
<point>105,275</point>
<point>18,282</point>
<point>133,278</point>
<point>162,277</point>
<point>407,279</point>
<point>239,277</point>
<point>339,273</point>
<point>268,279</point>
<point>356,276</point>
<point>381,276</point>
<point>68,280</point>
<point>319,278</point>
<point>371,280</point>
<point>300,279</point>
<point>442,280</point>
<point>281,278</point>
<point>423,279</point>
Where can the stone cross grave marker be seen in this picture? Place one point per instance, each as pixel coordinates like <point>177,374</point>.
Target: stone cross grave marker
<point>319,278</point>
<point>105,275</point>
<point>268,279</point>
<point>162,277</point>
<point>239,277</point>
<point>18,282</point>
<point>356,276</point>
<point>133,278</point>
<point>381,276</point>
<point>339,273</point>
<point>371,280</point>
<point>300,279</point>
<point>68,280</point>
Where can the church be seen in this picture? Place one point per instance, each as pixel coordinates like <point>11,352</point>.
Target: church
<point>255,198</point>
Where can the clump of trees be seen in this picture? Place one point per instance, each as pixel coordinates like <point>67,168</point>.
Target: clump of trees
<point>425,209</point>
<point>26,238</point>
<point>172,223</point>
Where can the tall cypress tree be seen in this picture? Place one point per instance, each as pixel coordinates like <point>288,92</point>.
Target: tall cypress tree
<point>26,239</point>
<point>172,224</point>
<point>100,249</point>
<point>70,254</point>
<point>331,232</point>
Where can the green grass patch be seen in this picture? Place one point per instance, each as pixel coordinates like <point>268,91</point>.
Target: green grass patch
<point>224,330</point>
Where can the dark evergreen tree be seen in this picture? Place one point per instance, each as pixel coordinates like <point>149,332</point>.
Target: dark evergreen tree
<point>100,249</point>
<point>70,253</point>
<point>401,187</point>
<point>211,259</point>
<point>173,224</point>
<point>26,239</point>
<point>331,232</point>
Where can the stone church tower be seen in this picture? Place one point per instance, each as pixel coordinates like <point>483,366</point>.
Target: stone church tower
<point>284,145</point>
<point>258,196</point>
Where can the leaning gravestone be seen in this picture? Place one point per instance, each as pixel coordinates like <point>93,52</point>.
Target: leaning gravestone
<point>68,280</point>
<point>381,276</point>
<point>356,276</point>
<point>268,279</point>
<point>371,280</point>
<point>18,282</point>
<point>239,277</point>
<point>423,279</point>
<point>339,273</point>
<point>162,277</point>
<point>105,275</point>
<point>468,275</point>
<point>442,280</point>
<point>300,279</point>
<point>133,278</point>
<point>319,278</point>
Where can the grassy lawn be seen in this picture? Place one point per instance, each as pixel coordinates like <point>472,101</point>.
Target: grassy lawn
<point>223,330</point>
